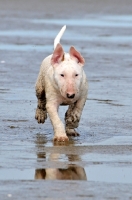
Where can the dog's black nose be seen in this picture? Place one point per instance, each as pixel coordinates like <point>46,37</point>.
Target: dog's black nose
<point>70,96</point>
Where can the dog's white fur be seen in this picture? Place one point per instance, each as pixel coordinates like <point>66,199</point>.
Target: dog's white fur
<point>61,81</point>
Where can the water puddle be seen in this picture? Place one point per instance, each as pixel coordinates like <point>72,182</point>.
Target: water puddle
<point>101,21</point>
<point>27,33</point>
<point>108,161</point>
<point>49,48</point>
<point>102,42</point>
<point>117,140</point>
<point>51,35</point>
<point>96,173</point>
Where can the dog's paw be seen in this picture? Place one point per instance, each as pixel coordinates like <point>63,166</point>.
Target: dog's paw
<point>61,139</point>
<point>40,115</point>
<point>71,132</point>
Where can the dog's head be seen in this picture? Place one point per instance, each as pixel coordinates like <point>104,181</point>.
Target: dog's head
<point>68,71</point>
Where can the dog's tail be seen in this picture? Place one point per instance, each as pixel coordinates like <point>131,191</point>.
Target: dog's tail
<point>58,37</point>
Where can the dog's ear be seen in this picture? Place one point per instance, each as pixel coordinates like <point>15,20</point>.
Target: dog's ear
<point>76,56</point>
<point>58,55</point>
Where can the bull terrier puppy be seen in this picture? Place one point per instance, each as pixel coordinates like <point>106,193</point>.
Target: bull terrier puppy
<point>61,81</point>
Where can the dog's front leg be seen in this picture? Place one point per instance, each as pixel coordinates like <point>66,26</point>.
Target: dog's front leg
<point>59,129</point>
<point>41,113</point>
<point>73,115</point>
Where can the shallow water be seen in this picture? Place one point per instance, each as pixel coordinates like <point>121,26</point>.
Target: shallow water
<point>92,21</point>
<point>102,174</point>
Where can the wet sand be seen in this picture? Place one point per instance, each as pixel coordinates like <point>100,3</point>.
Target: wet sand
<point>98,163</point>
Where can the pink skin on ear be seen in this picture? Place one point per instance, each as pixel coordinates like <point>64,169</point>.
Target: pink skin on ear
<point>58,55</point>
<point>76,56</point>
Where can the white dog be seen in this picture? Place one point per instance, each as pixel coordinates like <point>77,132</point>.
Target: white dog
<point>61,81</point>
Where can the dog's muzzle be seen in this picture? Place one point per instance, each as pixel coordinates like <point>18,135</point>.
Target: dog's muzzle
<point>70,96</point>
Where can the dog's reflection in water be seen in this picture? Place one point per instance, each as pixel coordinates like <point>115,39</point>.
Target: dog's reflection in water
<point>73,172</point>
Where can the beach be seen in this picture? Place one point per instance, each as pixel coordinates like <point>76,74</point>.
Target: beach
<point>97,164</point>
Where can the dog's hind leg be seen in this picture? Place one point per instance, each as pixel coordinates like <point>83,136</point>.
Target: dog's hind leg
<point>41,112</point>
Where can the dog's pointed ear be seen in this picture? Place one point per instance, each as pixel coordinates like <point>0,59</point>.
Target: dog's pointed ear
<point>58,55</point>
<point>76,56</point>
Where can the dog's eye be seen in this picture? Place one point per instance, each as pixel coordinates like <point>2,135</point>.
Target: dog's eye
<point>76,74</point>
<point>62,75</point>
